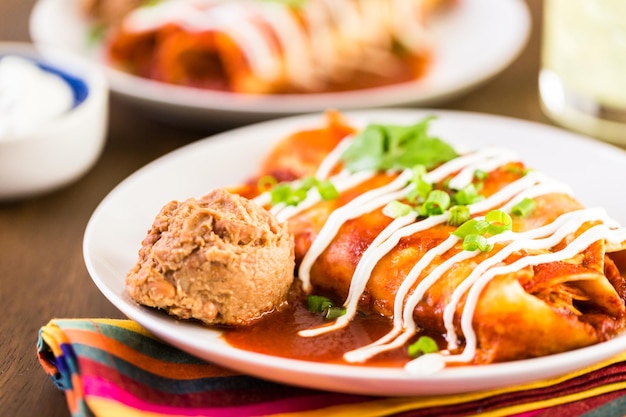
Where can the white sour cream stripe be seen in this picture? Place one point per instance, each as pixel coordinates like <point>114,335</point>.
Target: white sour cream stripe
<point>404,324</point>
<point>544,237</point>
<point>337,38</point>
<point>433,362</point>
<point>402,227</point>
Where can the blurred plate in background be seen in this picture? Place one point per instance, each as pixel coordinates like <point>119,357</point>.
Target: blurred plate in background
<point>473,42</point>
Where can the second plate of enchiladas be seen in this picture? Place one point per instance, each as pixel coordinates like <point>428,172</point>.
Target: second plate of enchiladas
<point>391,252</point>
<point>248,59</point>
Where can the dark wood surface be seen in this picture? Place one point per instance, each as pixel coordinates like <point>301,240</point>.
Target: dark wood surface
<point>42,273</point>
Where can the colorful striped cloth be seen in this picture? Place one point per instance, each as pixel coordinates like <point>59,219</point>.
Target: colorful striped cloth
<point>112,368</point>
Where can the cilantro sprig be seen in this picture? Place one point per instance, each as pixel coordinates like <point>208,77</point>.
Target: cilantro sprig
<point>391,147</point>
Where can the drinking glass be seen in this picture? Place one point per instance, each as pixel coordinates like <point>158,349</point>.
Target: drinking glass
<point>582,81</point>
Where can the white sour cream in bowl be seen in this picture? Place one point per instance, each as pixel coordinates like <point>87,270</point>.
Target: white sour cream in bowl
<point>53,118</point>
<point>30,96</point>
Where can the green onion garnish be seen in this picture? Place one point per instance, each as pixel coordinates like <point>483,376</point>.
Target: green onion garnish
<point>422,346</point>
<point>524,207</point>
<point>327,190</point>
<point>436,203</point>
<point>474,242</point>
<point>266,183</point>
<point>468,195</point>
<point>281,193</point>
<point>471,227</point>
<point>473,231</point>
<point>325,306</point>
<point>395,209</point>
<point>458,215</point>
<point>285,192</point>
<point>421,187</point>
<point>499,221</point>
<point>481,175</point>
<point>334,312</point>
<point>318,303</point>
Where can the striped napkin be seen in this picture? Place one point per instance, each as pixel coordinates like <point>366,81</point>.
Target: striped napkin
<point>116,368</point>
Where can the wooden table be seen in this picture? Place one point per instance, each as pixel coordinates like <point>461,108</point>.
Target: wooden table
<point>42,273</point>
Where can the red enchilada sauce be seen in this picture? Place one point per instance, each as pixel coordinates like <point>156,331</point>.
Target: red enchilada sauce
<point>276,334</point>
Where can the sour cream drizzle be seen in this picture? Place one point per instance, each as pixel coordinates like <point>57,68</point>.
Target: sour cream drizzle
<point>333,39</point>
<point>531,185</point>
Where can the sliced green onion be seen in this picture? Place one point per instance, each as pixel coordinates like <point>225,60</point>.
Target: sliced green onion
<point>481,175</point>
<point>471,227</point>
<point>499,221</point>
<point>468,195</point>
<point>307,183</point>
<point>395,209</point>
<point>285,192</point>
<point>318,303</point>
<point>325,306</point>
<point>420,192</point>
<point>524,207</point>
<point>327,190</point>
<point>266,182</point>
<point>436,203</point>
<point>476,242</point>
<point>334,312</point>
<point>281,193</point>
<point>419,171</point>
<point>458,215</point>
<point>422,187</point>
<point>422,346</point>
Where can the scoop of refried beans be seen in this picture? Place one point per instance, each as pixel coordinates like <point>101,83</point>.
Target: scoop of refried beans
<point>221,259</point>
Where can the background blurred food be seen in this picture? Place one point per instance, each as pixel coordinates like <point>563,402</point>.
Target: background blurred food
<point>270,47</point>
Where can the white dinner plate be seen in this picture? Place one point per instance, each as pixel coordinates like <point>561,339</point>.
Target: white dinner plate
<point>472,42</point>
<point>119,224</point>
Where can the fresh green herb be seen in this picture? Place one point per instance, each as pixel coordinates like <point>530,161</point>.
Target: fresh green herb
<point>395,209</point>
<point>385,147</point>
<point>458,215</point>
<point>325,306</point>
<point>422,346</point>
<point>467,195</point>
<point>524,207</point>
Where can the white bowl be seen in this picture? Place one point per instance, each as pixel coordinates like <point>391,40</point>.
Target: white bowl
<point>59,151</point>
